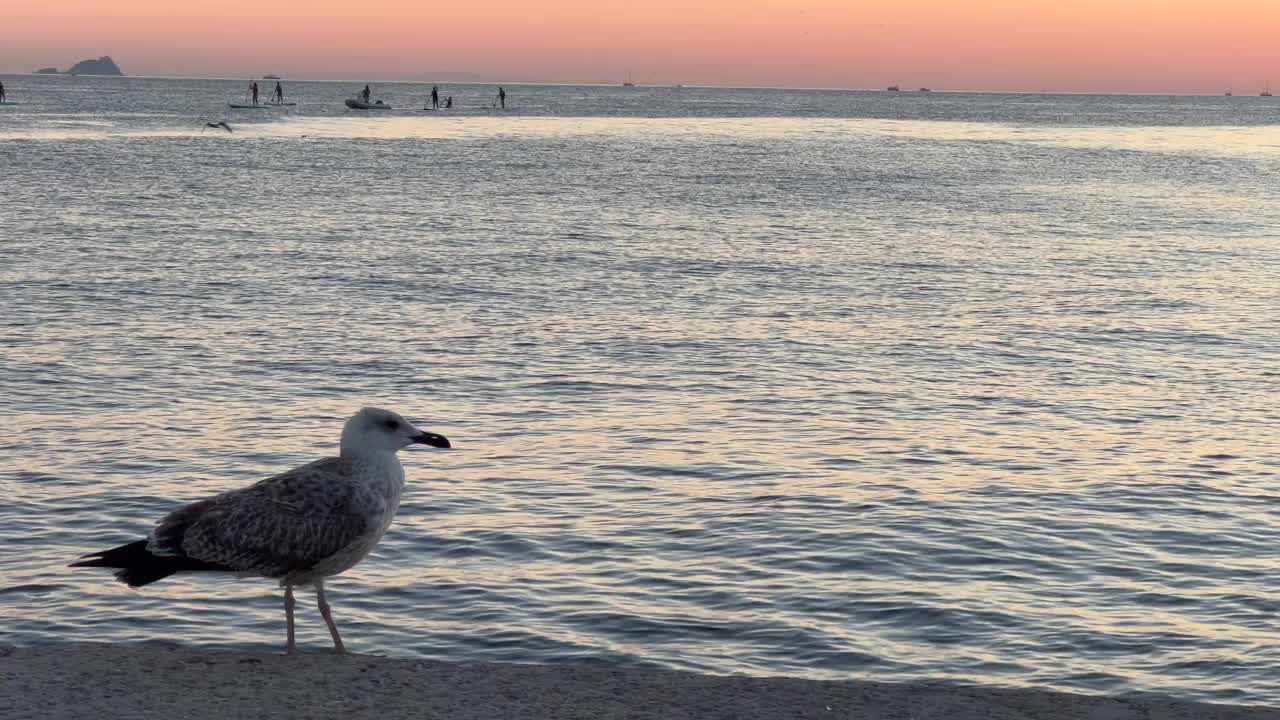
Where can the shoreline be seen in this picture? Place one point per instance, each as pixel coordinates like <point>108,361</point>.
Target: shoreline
<point>88,680</point>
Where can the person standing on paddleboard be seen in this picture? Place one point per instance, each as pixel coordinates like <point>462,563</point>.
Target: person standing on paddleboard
<point>279,93</point>
<point>1,92</point>
<point>435,98</point>
<point>502,97</point>
<point>365,94</point>
<point>253,90</point>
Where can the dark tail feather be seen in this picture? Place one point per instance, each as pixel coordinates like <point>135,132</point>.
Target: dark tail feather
<point>119,557</point>
<point>138,566</point>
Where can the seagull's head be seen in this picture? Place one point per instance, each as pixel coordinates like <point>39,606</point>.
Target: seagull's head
<point>378,430</point>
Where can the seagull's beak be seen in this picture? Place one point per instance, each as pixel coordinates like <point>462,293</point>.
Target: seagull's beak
<point>432,439</point>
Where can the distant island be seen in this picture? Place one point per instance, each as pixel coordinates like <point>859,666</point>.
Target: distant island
<point>102,66</point>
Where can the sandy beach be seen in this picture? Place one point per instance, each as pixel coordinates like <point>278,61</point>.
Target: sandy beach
<point>111,681</point>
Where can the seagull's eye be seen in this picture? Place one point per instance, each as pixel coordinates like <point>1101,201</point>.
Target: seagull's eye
<point>391,424</point>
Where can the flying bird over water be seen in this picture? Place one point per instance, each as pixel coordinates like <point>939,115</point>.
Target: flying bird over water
<point>299,527</point>
<point>216,125</point>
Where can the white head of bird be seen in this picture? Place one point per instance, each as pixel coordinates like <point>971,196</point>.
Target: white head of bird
<point>374,431</point>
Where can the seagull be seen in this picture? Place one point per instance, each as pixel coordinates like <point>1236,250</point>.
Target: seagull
<point>216,125</point>
<point>298,527</point>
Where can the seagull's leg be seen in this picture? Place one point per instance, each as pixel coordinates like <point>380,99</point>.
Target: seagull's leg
<point>290,647</point>
<point>328,619</point>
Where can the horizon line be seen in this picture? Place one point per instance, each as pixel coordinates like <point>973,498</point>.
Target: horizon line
<point>548,83</point>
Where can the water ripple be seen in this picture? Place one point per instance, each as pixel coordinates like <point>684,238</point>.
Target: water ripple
<point>800,384</point>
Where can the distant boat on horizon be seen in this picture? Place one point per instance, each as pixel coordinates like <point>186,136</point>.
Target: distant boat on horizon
<point>1267,91</point>
<point>628,82</point>
<point>269,76</point>
<point>925,90</point>
<point>362,105</point>
<point>893,88</point>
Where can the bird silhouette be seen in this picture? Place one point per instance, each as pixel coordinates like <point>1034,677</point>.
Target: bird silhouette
<point>216,125</point>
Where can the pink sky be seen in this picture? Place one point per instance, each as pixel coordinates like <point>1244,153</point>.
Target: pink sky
<point>1069,45</point>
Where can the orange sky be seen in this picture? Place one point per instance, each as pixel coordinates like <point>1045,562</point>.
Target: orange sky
<point>1070,45</point>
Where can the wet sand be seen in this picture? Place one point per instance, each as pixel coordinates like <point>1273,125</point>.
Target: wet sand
<point>101,681</point>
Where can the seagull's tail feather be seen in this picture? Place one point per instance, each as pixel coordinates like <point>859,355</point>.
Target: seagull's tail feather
<point>138,566</point>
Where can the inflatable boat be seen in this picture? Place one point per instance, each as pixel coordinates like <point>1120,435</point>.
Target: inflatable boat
<point>362,105</point>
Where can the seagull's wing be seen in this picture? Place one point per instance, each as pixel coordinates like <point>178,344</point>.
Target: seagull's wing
<point>284,524</point>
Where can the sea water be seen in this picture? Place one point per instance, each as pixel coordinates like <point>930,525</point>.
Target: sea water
<point>967,387</point>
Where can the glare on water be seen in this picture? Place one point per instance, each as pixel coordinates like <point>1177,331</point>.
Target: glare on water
<point>972,387</point>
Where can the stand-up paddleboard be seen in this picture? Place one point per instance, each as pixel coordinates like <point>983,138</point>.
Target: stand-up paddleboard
<point>8,102</point>
<point>248,106</point>
<point>282,104</point>
<point>361,105</point>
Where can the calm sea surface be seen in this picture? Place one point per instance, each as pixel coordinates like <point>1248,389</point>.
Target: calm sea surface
<point>971,387</point>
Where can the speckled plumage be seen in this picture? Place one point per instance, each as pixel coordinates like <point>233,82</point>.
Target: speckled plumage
<point>298,527</point>
<point>291,525</point>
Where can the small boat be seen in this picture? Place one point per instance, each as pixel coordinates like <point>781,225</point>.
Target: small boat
<point>628,83</point>
<point>893,88</point>
<point>269,76</point>
<point>925,90</point>
<point>362,105</point>
<point>1266,92</point>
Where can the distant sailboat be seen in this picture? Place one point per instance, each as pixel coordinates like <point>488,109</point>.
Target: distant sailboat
<point>628,83</point>
<point>1267,91</point>
<point>893,88</point>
